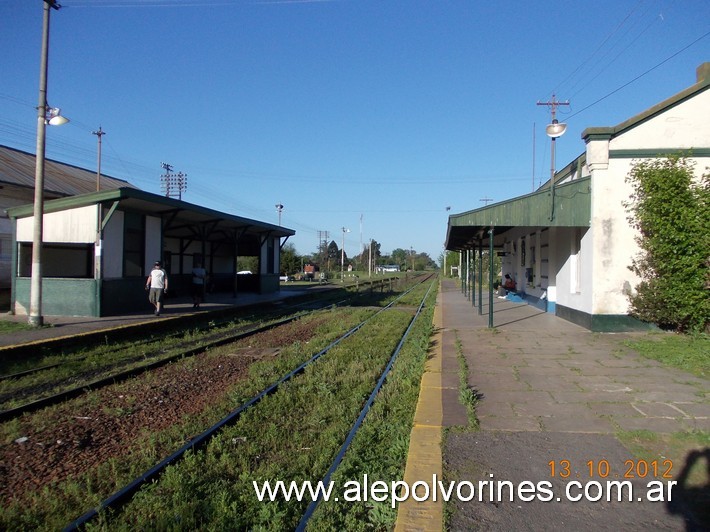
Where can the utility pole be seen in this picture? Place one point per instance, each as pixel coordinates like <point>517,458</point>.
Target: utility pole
<point>279,208</point>
<point>342,256</point>
<point>486,200</point>
<point>172,184</point>
<point>35,318</point>
<point>369,267</point>
<point>554,130</point>
<point>533,187</point>
<point>100,133</point>
<point>361,250</point>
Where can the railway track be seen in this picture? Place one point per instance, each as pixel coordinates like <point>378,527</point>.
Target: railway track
<point>200,440</point>
<point>153,354</point>
<point>121,497</point>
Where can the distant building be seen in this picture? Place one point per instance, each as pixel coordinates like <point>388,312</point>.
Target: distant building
<point>385,268</point>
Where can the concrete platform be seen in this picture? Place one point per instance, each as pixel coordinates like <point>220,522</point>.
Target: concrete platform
<point>548,390</point>
<point>57,327</point>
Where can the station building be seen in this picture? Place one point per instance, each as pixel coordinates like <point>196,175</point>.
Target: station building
<point>98,248</point>
<point>17,180</point>
<point>569,245</point>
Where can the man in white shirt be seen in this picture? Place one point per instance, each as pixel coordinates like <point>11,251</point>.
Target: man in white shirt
<point>157,284</point>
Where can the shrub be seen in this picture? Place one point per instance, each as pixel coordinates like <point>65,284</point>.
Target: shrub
<point>671,212</point>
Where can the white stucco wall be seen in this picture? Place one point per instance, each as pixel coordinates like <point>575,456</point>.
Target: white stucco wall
<point>685,126</point>
<point>573,259</point>
<point>113,247</point>
<point>75,226</point>
<point>153,238</point>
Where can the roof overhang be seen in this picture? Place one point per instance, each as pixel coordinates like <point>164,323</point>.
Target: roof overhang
<point>180,218</point>
<point>572,208</point>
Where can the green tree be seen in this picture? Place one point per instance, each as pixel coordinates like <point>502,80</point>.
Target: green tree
<point>333,254</point>
<point>671,212</point>
<point>290,260</point>
<point>364,257</point>
<point>399,256</point>
<point>452,259</point>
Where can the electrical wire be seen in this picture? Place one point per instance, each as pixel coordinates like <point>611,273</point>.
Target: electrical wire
<point>596,51</point>
<point>640,75</point>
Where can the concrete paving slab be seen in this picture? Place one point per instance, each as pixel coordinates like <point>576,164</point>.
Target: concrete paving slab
<point>496,457</point>
<point>588,397</point>
<point>550,390</point>
<point>579,423</point>
<point>614,409</point>
<point>511,424</point>
<point>698,410</point>
<point>545,382</point>
<point>493,409</point>
<point>653,424</point>
<point>550,409</point>
<point>659,410</point>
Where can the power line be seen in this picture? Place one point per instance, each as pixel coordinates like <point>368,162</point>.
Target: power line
<point>640,75</point>
<point>606,39</point>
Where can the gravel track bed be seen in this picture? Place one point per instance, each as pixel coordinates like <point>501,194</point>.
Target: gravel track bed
<point>68,440</point>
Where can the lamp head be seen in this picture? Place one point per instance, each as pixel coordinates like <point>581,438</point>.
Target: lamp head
<point>555,129</point>
<point>55,118</point>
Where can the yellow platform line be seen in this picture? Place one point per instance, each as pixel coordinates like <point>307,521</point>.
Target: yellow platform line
<point>424,458</point>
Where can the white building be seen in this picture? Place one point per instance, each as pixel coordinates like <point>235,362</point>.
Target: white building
<point>569,245</point>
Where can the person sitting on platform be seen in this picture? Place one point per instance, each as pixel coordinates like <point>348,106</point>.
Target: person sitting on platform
<point>509,283</point>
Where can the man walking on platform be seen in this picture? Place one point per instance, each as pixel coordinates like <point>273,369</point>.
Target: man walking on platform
<point>157,284</point>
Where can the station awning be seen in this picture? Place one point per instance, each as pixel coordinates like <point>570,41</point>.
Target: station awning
<point>569,205</point>
<point>180,218</point>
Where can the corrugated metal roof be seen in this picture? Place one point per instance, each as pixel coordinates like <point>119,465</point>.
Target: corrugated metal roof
<point>18,168</point>
<point>181,217</point>
<point>572,208</point>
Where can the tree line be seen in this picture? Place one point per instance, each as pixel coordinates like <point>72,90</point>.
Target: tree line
<point>330,257</point>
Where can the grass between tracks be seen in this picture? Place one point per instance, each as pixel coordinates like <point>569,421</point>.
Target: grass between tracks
<point>294,434</point>
<point>60,503</point>
<point>102,360</point>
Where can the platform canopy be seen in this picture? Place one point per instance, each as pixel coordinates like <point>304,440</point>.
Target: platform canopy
<point>569,205</point>
<point>180,219</point>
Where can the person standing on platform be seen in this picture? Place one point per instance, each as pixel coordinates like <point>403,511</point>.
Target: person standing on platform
<point>199,275</point>
<point>157,285</point>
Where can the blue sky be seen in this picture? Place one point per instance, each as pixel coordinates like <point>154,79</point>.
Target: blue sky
<point>341,110</point>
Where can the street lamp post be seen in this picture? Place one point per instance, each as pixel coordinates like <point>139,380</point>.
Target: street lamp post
<point>369,266</point>
<point>45,115</point>
<point>553,130</point>
<point>342,256</point>
<point>99,133</point>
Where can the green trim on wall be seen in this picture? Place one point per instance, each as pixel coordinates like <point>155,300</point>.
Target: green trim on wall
<point>603,322</point>
<point>126,295</point>
<point>269,283</point>
<point>654,153</point>
<point>61,297</point>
